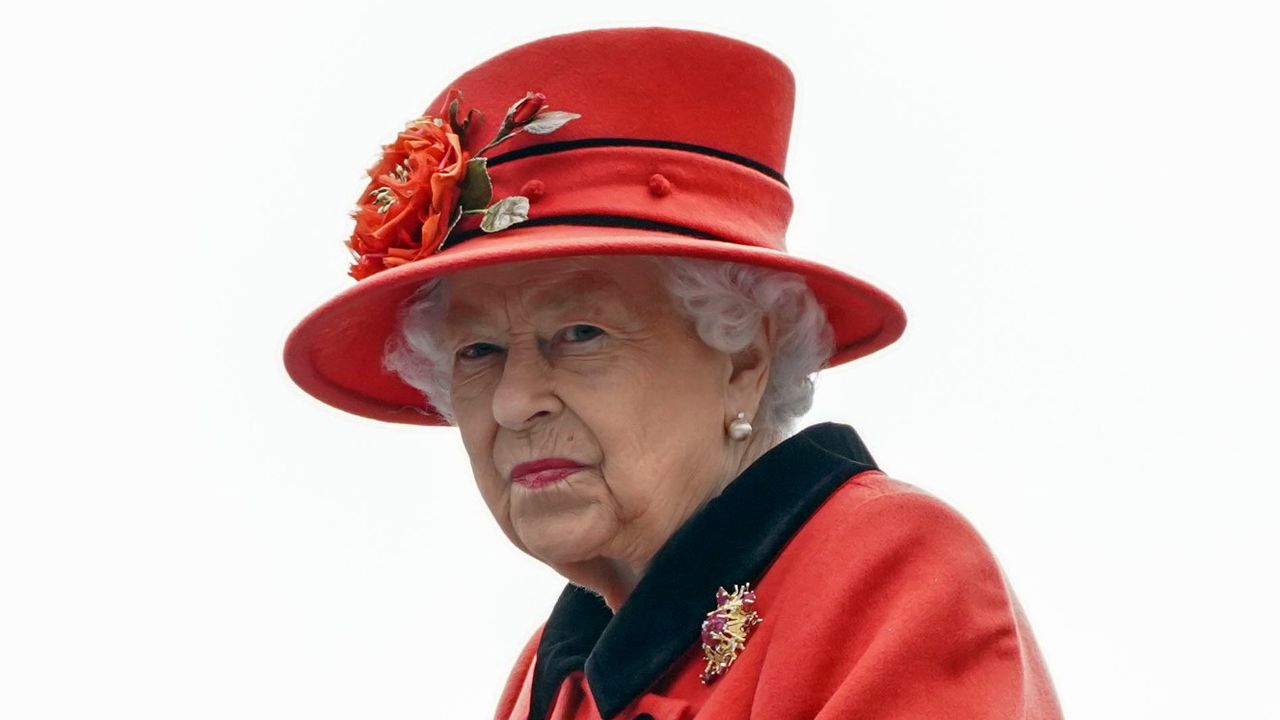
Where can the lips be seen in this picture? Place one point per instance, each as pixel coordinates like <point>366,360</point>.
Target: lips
<point>544,472</point>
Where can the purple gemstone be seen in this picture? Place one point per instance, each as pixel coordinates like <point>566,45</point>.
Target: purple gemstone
<point>710,626</point>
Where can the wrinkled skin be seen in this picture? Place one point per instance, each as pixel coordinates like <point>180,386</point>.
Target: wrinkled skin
<point>588,359</point>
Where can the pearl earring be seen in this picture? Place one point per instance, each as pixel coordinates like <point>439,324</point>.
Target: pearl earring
<point>740,428</point>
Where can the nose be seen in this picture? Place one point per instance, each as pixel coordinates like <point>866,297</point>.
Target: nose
<point>524,394</point>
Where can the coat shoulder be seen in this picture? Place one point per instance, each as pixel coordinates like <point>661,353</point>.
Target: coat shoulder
<point>873,519</point>
<point>889,588</point>
<point>872,495</point>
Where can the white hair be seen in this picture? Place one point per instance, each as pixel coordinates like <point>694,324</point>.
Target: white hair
<point>726,301</point>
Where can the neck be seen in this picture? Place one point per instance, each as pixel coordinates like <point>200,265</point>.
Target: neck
<point>611,579</point>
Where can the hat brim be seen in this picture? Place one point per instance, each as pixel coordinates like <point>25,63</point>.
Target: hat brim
<point>335,353</point>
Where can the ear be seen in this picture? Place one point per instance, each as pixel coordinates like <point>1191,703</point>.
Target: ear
<point>749,374</point>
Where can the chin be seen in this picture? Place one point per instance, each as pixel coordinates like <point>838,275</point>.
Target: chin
<point>562,538</point>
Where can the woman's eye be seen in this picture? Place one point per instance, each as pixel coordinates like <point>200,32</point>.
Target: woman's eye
<point>477,350</point>
<point>581,333</point>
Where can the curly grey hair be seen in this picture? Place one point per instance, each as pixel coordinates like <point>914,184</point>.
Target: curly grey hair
<point>726,301</point>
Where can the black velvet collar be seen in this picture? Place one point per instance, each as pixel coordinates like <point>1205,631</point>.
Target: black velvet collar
<point>732,540</point>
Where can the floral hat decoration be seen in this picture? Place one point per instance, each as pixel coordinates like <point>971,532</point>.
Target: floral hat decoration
<point>425,182</point>
<point>673,143</point>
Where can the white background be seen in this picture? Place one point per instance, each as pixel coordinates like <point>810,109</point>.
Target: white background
<point>1075,202</point>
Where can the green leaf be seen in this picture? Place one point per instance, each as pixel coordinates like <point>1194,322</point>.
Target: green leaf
<point>506,212</point>
<point>457,215</point>
<point>453,117</point>
<point>549,121</point>
<point>460,128</point>
<point>471,115</point>
<point>477,190</point>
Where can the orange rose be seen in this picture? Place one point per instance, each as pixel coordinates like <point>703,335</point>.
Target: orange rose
<point>416,191</point>
<point>406,210</point>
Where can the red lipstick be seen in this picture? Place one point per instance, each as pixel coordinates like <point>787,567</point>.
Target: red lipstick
<point>540,473</point>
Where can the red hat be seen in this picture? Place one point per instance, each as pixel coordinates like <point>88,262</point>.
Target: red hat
<point>651,141</point>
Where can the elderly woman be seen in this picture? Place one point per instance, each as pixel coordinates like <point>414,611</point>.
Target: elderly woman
<point>610,319</point>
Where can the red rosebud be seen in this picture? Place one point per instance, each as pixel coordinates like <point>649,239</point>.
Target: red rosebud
<point>524,110</point>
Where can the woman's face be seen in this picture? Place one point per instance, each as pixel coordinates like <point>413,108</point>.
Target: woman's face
<point>585,362</point>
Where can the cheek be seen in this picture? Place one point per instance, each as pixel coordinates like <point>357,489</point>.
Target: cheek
<point>472,387</point>
<point>477,437</point>
<point>663,391</point>
<point>660,430</point>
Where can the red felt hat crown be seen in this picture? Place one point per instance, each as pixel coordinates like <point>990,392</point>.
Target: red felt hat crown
<point>652,141</point>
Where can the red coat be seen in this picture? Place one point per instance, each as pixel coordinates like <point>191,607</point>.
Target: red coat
<point>877,601</point>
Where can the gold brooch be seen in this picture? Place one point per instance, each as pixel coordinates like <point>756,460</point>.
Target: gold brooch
<point>725,631</point>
